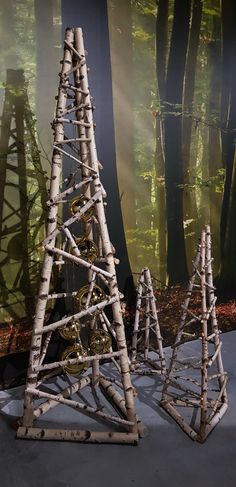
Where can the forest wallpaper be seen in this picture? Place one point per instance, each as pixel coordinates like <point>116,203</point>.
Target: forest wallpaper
<point>163,76</point>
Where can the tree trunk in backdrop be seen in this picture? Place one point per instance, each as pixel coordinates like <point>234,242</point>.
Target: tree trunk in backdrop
<point>162,45</point>
<point>214,153</point>
<point>204,207</point>
<point>227,59</point>
<point>161,63</point>
<point>189,194</point>
<point>227,281</point>
<point>176,257</point>
<point>228,108</point>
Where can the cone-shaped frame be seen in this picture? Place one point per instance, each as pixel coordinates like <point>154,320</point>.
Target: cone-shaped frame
<point>151,360</point>
<point>74,113</point>
<point>194,392</point>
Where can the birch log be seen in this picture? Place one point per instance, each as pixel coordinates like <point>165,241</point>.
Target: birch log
<point>107,249</point>
<point>78,435</point>
<point>51,226</point>
<point>82,144</point>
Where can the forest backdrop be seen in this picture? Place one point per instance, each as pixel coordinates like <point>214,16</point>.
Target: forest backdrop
<point>173,67</point>
<point>173,93</point>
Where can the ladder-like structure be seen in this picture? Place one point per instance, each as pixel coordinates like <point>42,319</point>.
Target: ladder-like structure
<point>194,392</point>
<point>23,199</point>
<point>151,359</point>
<point>95,313</point>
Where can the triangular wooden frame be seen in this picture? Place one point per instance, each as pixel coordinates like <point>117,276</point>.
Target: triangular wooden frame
<point>146,320</point>
<point>204,398</point>
<point>81,149</point>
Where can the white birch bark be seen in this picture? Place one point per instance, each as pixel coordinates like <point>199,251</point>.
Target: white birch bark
<point>84,147</point>
<point>211,408</point>
<point>146,313</point>
<point>107,248</point>
<point>78,435</point>
<point>51,226</point>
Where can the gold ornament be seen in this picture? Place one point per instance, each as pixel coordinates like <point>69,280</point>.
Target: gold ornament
<point>99,342</point>
<point>77,203</point>
<point>74,351</point>
<point>70,331</point>
<point>87,248</point>
<point>97,296</point>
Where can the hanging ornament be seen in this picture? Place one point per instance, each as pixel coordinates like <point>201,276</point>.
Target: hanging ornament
<point>74,351</point>
<point>70,331</point>
<point>87,248</point>
<point>77,203</point>
<point>97,296</point>
<point>99,342</point>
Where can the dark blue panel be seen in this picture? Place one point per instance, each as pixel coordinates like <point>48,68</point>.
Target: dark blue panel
<point>91,15</point>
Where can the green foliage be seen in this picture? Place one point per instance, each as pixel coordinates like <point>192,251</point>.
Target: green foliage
<point>18,37</point>
<point>213,11</point>
<point>139,33</point>
<point>145,7</point>
<point>215,183</point>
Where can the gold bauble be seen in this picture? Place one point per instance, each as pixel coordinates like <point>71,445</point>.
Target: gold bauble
<point>97,296</point>
<point>72,352</point>
<point>70,331</point>
<point>77,203</point>
<point>87,248</point>
<point>99,342</point>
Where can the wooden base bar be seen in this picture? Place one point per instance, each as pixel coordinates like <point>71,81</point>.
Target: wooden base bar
<point>77,435</point>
